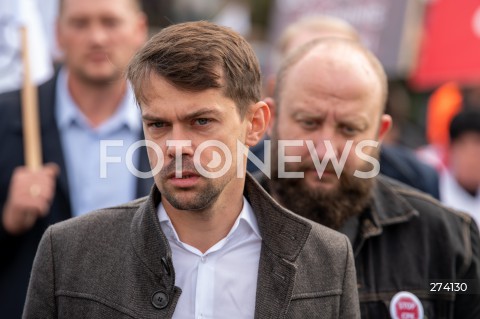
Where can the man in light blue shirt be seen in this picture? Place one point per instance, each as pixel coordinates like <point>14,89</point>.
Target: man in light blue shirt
<point>87,103</point>
<point>83,150</point>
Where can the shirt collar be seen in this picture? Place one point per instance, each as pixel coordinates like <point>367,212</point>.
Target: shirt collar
<point>247,217</point>
<point>67,111</point>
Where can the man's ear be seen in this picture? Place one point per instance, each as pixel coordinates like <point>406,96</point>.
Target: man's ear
<point>385,125</point>
<point>259,118</point>
<point>272,106</point>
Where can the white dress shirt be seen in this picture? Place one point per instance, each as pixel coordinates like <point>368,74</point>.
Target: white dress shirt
<point>222,282</point>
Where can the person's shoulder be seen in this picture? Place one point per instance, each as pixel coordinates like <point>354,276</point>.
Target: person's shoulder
<point>10,101</point>
<point>325,239</point>
<point>428,207</point>
<point>401,163</point>
<point>325,234</point>
<point>92,242</point>
<point>99,222</point>
<point>318,233</point>
<point>325,255</point>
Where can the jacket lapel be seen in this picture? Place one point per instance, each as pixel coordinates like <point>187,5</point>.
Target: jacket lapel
<point>144,185</point>
<point>152,248</point>
<point>283,236</point>
<point>276,278</point>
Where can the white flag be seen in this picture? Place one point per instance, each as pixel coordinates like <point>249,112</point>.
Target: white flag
<point>13,15</point>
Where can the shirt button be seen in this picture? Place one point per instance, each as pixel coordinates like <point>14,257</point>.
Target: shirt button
<point>160,300</point>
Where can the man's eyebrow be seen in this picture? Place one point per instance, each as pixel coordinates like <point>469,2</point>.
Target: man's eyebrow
<point>200,113</point>
<point>152,118</point>
<point>187,117</point>
<point>308,114</point>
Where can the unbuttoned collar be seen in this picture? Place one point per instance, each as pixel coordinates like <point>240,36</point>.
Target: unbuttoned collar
<point>282,232</point>
<point>67,112</point>
<point>245,222</point>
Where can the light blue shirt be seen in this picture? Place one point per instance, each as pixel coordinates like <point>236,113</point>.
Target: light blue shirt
<point>81,145</point>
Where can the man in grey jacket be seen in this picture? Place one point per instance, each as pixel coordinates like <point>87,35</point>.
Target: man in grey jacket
<point>208,242</point>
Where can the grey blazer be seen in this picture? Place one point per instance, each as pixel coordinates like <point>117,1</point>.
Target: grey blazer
<point>116,263</point>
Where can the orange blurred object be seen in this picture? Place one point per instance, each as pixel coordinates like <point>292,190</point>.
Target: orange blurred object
<point>443,105</point>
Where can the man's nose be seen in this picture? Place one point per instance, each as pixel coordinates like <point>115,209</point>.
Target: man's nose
<point>98,35</point>
<point>179,143</point>
<point>326,143</point>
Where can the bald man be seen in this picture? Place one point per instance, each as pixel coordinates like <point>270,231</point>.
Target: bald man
<point>396,161</point>
<point>328,123</point>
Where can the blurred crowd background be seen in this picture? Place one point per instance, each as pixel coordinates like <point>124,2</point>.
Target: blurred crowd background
<point>423,44</point>
<point>429,48</point>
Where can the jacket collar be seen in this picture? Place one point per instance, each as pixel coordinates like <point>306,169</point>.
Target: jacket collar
<point>283,236</point>
<point>147,237</point>
<point>283,232</point>
<point>387,208</point>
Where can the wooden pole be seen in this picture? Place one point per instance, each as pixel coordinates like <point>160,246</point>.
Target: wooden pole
<point>30,120</point>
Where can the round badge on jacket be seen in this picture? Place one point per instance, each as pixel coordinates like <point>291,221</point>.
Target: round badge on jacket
<point>405,305</point>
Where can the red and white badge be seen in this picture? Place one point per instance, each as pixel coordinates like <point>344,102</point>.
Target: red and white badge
<point>405,305</point>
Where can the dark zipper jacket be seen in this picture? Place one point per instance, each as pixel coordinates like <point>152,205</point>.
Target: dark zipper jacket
<point>407,241</point>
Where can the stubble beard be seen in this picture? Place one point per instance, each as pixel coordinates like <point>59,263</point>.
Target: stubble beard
<point>89,79</point>
<point>103,81</point>
<point>203,198</point>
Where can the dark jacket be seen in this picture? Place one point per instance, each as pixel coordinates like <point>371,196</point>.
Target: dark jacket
<point>18,252</point>
<point>401,164</point>
<point>117,263</point>
<point>408,240</point>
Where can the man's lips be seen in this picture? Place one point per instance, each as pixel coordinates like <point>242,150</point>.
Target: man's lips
<point>97,56</point>
<point>188,179</point>
<point>183,174</point>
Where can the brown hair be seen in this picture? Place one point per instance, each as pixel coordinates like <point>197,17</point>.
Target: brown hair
<point>196,56</point>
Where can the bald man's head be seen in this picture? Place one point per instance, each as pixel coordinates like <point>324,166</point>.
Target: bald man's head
<point>334,55</point>
<point>315,27</point>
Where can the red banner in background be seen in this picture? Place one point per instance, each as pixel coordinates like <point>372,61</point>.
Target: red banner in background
<point>450,49</point>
